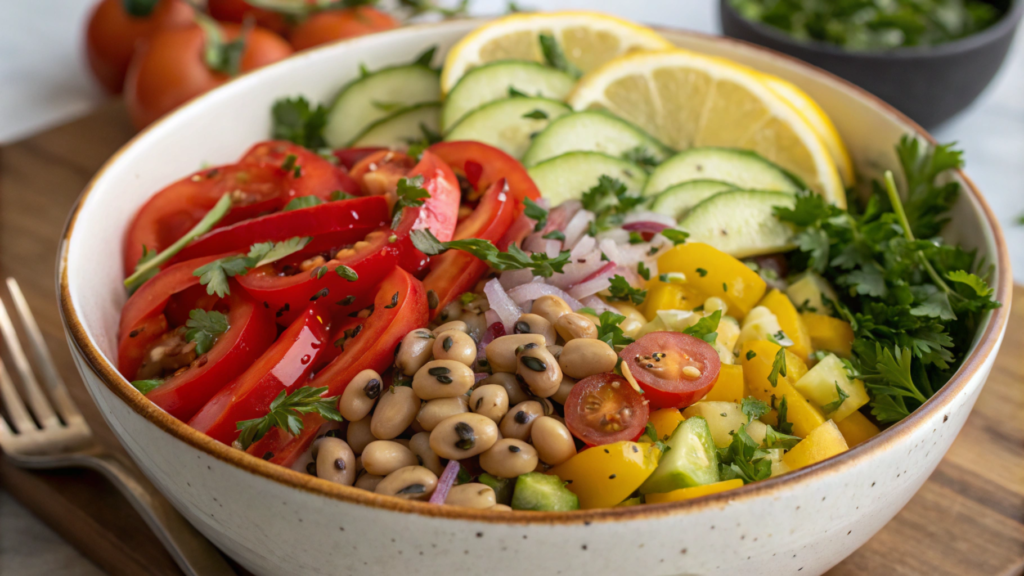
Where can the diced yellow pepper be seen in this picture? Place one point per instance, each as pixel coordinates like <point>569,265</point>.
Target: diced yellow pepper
<point>857,428</point>
<point>790,322</point>
<point>603,476</point>
<point>823,442</point>
<point>757,358</point>
<point>695,491</point>
<point>828,333</point>
<point>665,421</point>
<point>711,272</point>
<point>730,387</point>
<point>668,296</point>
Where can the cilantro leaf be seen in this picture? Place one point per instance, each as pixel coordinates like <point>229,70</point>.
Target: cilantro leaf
<point>841,397</point>
<point>785,426</point>
<point>642,157</point>
<point>610,201</point>
<point>773,439</point>
<point>214,275</point>
<point>778,367</point>
<point>204,327</point>
<point>676,236</point>
<point>295,120</point>
<point>536,114</point>
<point>535,212</point>
<point>302,202</point>
<point>608,329</point>
<point>515,259</point>
<point>411,194</point>
<point>753,408</point>
<point>286,412</point>
<point>554,56</point>
<point>706,328</point>
<point>744,459</point>
<point>146,386</point>
<point>621,291</point>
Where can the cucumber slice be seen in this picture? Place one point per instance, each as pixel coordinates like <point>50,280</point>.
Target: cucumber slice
<point>568,176</point>
<point>595,131</point>
<point>679,199</point>
<point>809,292</point>
<point>819,387</point>
<point>741,168</point>
<point>741,223</point>
<point>508,123</point>
<point>492,81</point>
<point>539,491</point>
<point>502,487</point>
<point>402,127</point>
<point>372,98</point>
<point>692,460</point>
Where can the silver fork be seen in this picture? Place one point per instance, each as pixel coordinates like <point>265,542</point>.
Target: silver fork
<point>59,437</point>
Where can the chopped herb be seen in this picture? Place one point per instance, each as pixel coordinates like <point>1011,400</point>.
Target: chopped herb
<point>554,56</point>
<point>554,235</point>
<point>426,58</point>
<point>341,195</point>
<point>286,413</point>
<point>514,259</point>
<point>302,202</point>
<point>204,327</point>
<point>513,93</point>
<point>621,291</point>
<point>841,397</point>
<point>295,120</point>
<point>346,273</point>
<point>773,439</point>
<point>610,201</point>
<point>778,368</point>
<point>744,459</point>
<point>751,354</point>
<point>608,329</point>
<point>636,238</point>
<point>536,114</point>
<point>642,157</point>
<point>215,274</point>
<point>146,386</point>
<point>702,272</point>
<point>411,194</point>
<point>535,212</point>
<point>706,328</point>
<point>785,426</point>
<point>394,301</point>
<point>676,236</point>
<point>643,270</point>
<point>753,408</point>
<point>387,106</point>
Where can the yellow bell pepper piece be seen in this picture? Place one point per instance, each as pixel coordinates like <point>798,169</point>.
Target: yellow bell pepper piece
<point>856,428</point>
<point>668,296</point>
<point>757,358</point>
<point>603,476</point>
<point>790,322</point>
<point>730,387</point>
<point>828,333</point>
<point>695,491</point>
<point>823,442</point>
<point>665,421</point>
<point>711,272</point>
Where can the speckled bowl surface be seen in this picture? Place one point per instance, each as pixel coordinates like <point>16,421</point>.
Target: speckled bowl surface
<point>276,521</point>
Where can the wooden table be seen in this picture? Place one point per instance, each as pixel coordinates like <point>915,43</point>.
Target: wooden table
<point>967,519</point>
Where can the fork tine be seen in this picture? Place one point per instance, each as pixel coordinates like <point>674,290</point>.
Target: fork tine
<point>58,391</point>
<point>15,407</point>
<point>36,399</point>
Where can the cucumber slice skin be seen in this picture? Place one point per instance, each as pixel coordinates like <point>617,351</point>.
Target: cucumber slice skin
<point>592,131</point>
<point>491,82</point>
<point>503,124</point>
<point>353,110</point>
<point>741,168</point>
<point>568,176</point>
<point>681,198</point>
<point>692,461</point>
<point>402,127</point>
<point>543,492</point>
<point>741,223</point>
<point>502,487</point>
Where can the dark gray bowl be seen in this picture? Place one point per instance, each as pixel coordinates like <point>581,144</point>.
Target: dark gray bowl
<point>928,84</point>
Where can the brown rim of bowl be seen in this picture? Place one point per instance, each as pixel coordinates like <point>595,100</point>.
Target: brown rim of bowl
<point>120,387</point>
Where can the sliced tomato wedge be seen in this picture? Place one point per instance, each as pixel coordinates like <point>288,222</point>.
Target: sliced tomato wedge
<point>284,366</point>
<point>310,173</point>
<point>604,408</point>
<point>251,331</point>
<point>349,157</point>
<point>657,362</point>
<point>482,165</point>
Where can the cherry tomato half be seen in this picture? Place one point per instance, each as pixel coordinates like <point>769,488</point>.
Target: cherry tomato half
<point>331,25</point>
<point>604,408</point>
<point>236,11</point>
<point>482,165</point>
<point>674,369</point>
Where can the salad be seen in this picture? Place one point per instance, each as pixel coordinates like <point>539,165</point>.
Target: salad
<point>549,278</point>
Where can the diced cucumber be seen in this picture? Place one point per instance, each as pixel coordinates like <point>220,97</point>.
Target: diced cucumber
<point>593,131</point>
<point>679,199</point>
<point>539,491</point>
<point>509,123</point>
<point>369,99</point>
<point>807,290</point>
<point>568,176</point>
<point>741,223</point>
<point>759,324</point>
<point>492,81</point>
<point>502,487</point>
<point>741,168</point>
<point>402,127</point>
<point>819,387</point>
<point>691,461</point>
<point>724,419</point>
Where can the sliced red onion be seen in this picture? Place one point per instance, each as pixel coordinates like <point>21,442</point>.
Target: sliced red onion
<point>516,232</point>
<point>597,305</point>
<point>610,249</point>
<point>590,287</point>
<point>478,376</point>
<point>630,254</point>
<point>534,242</point>
<point>502,304</point>
<point>648,216</point>
<point>553,248</point>
<point>577,226</point>
<point>513,278</point>
<point>584,245</point>
<point>604,271</point>
<point>577,271</point>
<point>561,214</point>
<point>645,226</point>
<point>495,329</point>
<point>445,482</point>
<point>532,291</point>
<point>491,318</point>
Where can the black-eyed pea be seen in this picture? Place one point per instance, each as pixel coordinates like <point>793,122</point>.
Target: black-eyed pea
<point>539,369</point>
<point>471,495</point>
<point>368,482</point>
<point>552,440</point>
<point>510,383</point>
<point>359,435</point>
<point>457,325</point>
<point>396,410</point>
<point>564,388</point>
<point>414,351</point>
<point>555,351</point>
<point>410,482</point>
<point>536,324</point>
<point>490,400</point>
<point>420,446</point>
<point>571,326</point>
<point>335,461</point>
<point>443,379</point>
<point>463,436</point>
<point>519,420</point>
<point>476,324</point>
<point>509,458</point>
<point>450,312</point>
<point>455,345</point>
<point>360,395</point>
<point>434,411</point>
<point>382,457</point>
<point>550,308</point>
<point>501,352</point>
<point>582,357</point>
<point>501,508</point>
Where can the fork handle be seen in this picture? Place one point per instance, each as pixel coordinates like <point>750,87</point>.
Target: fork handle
<point>194,554</point>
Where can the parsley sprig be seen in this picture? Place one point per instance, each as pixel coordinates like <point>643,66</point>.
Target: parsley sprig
<point>515,259</point>
<point>622,291</point>
<point>610,201</point>
<point>706,328</point>
<point>286,413</point>
<point>296,120</point>
<point>204,327</point>
<point>609,330</point>
<point>215,274</point>
<point>411,194</point>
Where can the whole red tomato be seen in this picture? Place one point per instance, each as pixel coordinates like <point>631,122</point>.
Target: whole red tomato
<point>334,25</point>
<point>169,68</point>
<point>113,32</point>
<point>236,11</point>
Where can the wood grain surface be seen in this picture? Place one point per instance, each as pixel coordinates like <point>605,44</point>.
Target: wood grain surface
<point>968,519</point>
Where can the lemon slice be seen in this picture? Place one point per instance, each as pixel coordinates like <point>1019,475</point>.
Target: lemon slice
<point>687,99</point>
<point>818,120</point>
<point>589,39</point>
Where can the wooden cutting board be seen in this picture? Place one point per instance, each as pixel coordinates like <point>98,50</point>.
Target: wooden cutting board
<point>967,519</point>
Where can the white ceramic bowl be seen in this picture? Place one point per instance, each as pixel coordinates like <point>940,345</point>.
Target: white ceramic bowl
<point>277,521</point>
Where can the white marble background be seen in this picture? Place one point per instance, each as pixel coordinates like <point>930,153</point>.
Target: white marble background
<point>44,82</point>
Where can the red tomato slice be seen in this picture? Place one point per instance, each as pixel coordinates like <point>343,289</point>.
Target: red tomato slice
<point>284,366</point>
<point>330,225</point>
<point>311,175</point>
<point>251,331</point>
<point>604,408</point>
<point>483,165</point>
<point>657,361</point>
<point>349,157</point>
<point>455,271</point>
